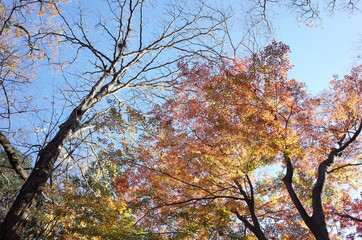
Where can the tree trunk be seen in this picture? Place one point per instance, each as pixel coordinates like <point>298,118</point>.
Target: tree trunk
<point>316,223</point>
<point>14,224</point>
<point>319,230</point>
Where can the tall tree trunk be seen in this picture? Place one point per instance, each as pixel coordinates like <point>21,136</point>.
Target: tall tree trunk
<point>15,222</point>
<point>316,223</point>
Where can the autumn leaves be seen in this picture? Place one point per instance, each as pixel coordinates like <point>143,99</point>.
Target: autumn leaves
<point>226,124</point>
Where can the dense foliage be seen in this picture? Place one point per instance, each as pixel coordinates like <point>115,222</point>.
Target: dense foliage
<point>132,119</point>
<point>231,135</point>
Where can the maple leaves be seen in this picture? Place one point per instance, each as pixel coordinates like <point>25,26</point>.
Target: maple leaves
<point>208,163</point>
<point>226,124</point>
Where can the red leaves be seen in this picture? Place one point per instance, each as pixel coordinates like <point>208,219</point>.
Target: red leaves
<point>232,119</point>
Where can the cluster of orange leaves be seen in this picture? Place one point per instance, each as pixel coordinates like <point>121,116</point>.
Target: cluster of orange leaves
<point>232,119</point>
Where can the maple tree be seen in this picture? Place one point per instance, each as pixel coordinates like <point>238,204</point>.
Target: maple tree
<point>111,65</point>
<point>239,150</point>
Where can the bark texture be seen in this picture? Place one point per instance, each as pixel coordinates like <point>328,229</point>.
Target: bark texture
<point>19,214</point>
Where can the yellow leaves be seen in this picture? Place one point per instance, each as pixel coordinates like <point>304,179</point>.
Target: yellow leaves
<point>2,11</point>
<point>196,179</point>
<point>42,11</point>
<point>87,217</point>
<point>249,237</point>
<point>41,55</point>
<point>13,67</point>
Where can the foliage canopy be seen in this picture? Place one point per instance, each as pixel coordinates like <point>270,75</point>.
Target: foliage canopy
<point>240,149</point>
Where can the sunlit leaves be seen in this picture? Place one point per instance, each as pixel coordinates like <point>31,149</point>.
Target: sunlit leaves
<point>231,120</point>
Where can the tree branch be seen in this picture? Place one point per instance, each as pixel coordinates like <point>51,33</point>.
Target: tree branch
<point>347,216</point>
<point>244,220</point>
<point>343,166</point>
<point>322,170</point>
<point>256,229</point>
<point>288,180</point>
<point>12,156</point>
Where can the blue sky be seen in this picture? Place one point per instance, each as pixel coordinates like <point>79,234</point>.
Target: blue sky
<point>318,52</point>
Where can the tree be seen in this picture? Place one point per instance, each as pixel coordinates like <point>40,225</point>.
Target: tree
<point>114,64</point>
<point>85,207</point>
<point>133,59</point>
<point>20,50</point>
<point>308,10</point>
<point>239,140</point>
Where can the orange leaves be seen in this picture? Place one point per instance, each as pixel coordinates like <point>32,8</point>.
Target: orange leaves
<point>233,120</point>
<point>338,111</point>
<point>225,120</point>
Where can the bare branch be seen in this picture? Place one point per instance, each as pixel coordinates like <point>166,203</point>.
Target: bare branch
<point>345,215</point>
<point>344,166</point>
